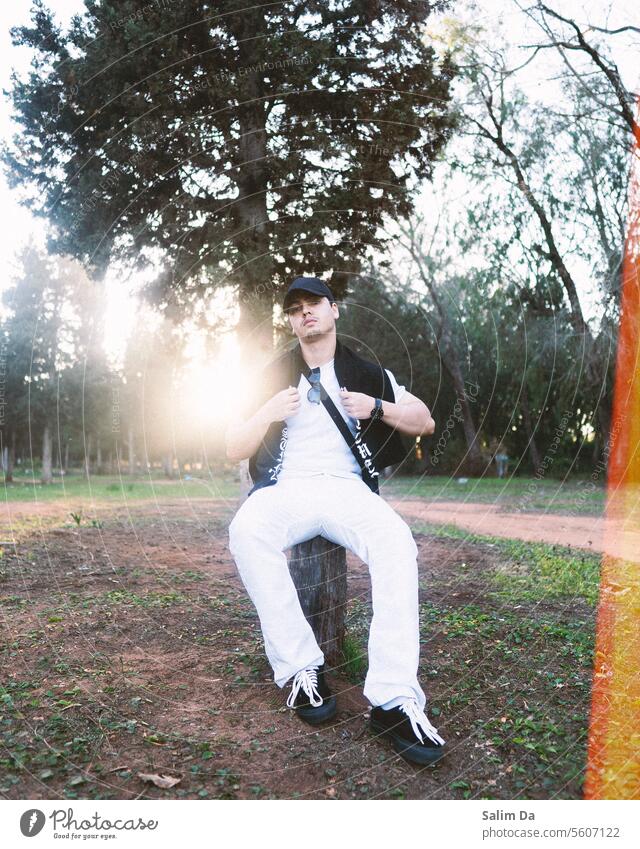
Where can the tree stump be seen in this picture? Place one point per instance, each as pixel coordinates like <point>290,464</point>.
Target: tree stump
<point>319,571</point>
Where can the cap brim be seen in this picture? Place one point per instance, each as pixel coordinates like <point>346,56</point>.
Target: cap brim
<point>291,295</point>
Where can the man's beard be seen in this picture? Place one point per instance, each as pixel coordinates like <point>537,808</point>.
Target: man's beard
<point>314,330</point>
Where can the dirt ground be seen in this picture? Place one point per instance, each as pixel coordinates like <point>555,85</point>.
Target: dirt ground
<point>129,648</point>
<point>586,532</point>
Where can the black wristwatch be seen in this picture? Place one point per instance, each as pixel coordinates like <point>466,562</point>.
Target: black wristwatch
<point>377,413</point>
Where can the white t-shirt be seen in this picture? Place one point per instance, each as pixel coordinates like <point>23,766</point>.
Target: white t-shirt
<point>315,446</point>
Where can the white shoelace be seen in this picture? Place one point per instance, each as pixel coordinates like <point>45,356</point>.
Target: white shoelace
<point>307,679</point>
<point>419,722</point>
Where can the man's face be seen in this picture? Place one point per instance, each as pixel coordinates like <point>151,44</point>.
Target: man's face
<point>311,315</point>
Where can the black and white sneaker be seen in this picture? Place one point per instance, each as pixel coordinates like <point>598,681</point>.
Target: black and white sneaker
<point>410,732</point>
<point>311,697</point>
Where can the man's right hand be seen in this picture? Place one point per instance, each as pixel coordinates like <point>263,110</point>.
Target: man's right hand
<point>283,404</point>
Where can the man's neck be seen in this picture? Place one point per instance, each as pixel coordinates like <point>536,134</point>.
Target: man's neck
<point>319,351</point>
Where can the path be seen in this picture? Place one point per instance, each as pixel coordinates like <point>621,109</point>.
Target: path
<point>586,532</point>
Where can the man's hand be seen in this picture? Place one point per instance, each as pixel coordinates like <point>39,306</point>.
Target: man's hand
<point>357,404</point>
<point>283,404</point>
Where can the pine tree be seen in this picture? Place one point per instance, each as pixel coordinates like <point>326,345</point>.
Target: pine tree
<point>231,145</point>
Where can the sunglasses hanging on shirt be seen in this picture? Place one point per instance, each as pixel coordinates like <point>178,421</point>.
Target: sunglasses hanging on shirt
<point>314,395</point>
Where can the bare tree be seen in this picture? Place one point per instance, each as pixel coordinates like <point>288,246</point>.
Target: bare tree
<point>413,240</point>
<point>572,37</point>
<point>490,116</point>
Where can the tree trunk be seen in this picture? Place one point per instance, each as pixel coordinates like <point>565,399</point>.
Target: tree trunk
<point>146,463</point>
<point>66,457</point>
<point>132,454</point>
<point>256,292</point>
<point>534,454</point>
<point>98,457</point>
<point>11,459</point>
<point>58,452</point>
<point>473,461</point>
<point>47,472</point>
<point>319,571</point>
<point>474,454</point>
<point>87,457</point>
<point>317,566</point>
<point>167,463</point>
<point>604,420</point>
<point>450,360</point>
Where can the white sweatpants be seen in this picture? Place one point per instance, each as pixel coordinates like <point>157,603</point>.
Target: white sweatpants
<point>345,511</point>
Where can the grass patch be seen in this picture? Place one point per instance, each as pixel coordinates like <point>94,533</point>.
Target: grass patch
<point>500,632</point>
<point>109,488</point>
<point>101,602</point>
<point>530,571</point>
<point>354,649</point>
<point>522,684</point>
<point>511,494</point>
<point>549,573</point>
<point>150,599</point>
<point>354,658</point>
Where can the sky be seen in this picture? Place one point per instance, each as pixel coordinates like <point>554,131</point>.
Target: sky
<point>505,16</point>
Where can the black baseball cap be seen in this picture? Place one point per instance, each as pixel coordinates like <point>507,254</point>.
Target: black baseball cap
<point>313,285</point>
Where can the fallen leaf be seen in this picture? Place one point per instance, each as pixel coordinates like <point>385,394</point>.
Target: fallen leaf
<point>164,781</point>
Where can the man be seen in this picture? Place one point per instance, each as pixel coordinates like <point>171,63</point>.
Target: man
<point>317,443</point>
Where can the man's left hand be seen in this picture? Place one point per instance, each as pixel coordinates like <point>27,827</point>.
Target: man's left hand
<point>357,404</point>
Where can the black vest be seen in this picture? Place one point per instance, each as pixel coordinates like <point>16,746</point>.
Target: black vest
<point>379,445</point>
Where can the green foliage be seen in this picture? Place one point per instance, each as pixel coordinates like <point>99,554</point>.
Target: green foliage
<point>354,654</point>
<point>550,572</point>
<point>248,138</point>
<point>532,570</point>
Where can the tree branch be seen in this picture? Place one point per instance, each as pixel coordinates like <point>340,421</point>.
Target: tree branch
<point>610,71</point>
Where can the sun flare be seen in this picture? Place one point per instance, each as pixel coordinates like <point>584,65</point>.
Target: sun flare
<point>215,390</point>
